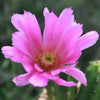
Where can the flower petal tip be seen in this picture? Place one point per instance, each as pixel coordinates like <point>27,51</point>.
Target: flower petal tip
<point>15,81</point>
<point>38,68</point>
<point>38,81</point>
<point>62,82</point>
<point>67,11</point>
<point>70,84</point>
<point>25,11</point>
<point>84,82</point>
<point>22,79</point>
<point>94,33</point>
<point>73,84</point>
<point>45,11</point>
<point>2,49</point>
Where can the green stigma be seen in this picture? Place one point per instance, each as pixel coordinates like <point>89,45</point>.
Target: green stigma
<point>47,61</point>
<point>48,58</point>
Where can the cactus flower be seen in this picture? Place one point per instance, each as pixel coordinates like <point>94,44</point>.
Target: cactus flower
<point>43,58</point>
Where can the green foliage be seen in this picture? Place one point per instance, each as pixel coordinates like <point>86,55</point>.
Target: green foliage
<point>90,92</point>
<point>8,90</point>
<point>86,12</point>
<point>56,92</point>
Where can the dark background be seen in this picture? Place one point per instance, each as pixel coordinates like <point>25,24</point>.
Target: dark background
<point>86,12</point>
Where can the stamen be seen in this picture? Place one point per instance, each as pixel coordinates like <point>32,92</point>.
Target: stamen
<point>47,61</point>
<point>48,58</point>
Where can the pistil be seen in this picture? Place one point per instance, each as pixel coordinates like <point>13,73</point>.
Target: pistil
<point>47,61</point>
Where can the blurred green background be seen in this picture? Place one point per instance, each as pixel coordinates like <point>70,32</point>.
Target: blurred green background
<point>86,12</point>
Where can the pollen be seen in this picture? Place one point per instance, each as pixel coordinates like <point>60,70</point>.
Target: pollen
<point>47,61</point>
<point>48,58</point>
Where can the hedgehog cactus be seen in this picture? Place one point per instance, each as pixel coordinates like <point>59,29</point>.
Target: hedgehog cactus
<point>56,92</point>
<point>90,92</point>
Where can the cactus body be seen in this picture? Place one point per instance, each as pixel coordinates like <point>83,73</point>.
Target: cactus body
<point>56,92</point>
<point>92,91</point>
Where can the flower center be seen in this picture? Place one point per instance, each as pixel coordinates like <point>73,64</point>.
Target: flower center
<point>48,58</point>
<point>47,61</point>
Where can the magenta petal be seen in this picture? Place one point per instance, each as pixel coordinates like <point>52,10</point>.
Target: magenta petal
<point>49,76</point>
<point>87,40</point>
<point>65,12</point>
<point>64,23</point>
<point>29,25</point>
<point>38,68</point>
<point>12,53</point>
<point>62,69</point>
<point>48,34</point>
<point>73,57</point>
<point>77,74</point>
<point>28,64</point>
<point>21,42</point>
<point>22,80</point>
<point>68,41</point>
<point>66,19</point>
<point>38,81</point>
<point>46,11</point>
<point>56,71</point>
<point>62,82</point>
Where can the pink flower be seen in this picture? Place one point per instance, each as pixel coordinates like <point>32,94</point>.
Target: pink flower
<point>44,58</point>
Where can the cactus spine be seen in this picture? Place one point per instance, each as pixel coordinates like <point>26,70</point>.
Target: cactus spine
<point>90,92</point>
